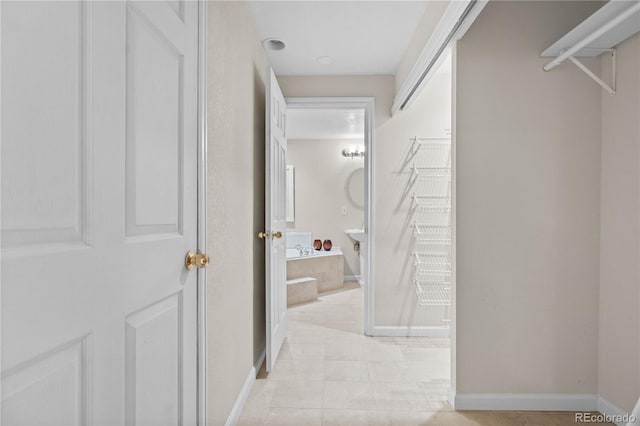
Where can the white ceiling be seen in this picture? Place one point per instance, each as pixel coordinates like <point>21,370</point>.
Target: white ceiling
<point>362,37</point>
<point>320,123</point>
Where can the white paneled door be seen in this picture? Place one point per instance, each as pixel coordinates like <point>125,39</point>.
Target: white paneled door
<point>275,218</point>
<point>99,143</point>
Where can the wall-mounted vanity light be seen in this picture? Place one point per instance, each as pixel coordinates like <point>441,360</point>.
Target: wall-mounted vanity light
<point>354,151</point>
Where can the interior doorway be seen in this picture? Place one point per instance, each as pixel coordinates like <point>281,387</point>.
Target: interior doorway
<point>338,254</point>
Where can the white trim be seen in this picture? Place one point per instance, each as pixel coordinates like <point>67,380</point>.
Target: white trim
<point>241,400</point>
<point>608,409</point>
<point>403,331</point>
<point>368,104</point>
<point>539,402</point>
<point>258,364</point>
<point>526,401</point>
<point>2,252</point>
<point>369,215</point>
<point>236,410</point>
<point>432,54</point>
<point>201,394</point>
<point>454,231</point>
<point>451,397</point>
<point>352,278</point>
<point>635,413</point>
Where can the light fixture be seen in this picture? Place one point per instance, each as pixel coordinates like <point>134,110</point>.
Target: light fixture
<point>273,44</point>
<point>353,151</point>
<point>324,60</point>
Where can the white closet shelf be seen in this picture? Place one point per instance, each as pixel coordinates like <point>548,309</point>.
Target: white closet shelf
<point>435,174</point>
<point>613,23</point>
<point>610,25</point>
<point>432,264</point>
<point>429,204</point>
<point>432,144</point>
<point>433,293</point>
<point>429,234</point>
<point>432,140</point>
<point>430,209</point>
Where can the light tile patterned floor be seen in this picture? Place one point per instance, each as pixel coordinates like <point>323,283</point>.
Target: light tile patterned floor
<point>329,373</point>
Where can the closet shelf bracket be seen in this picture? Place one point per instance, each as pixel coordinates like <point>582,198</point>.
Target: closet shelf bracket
<point>611,89</point>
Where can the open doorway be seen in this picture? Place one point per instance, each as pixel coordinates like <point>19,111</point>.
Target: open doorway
<point>404,365</point>
<point>328,202</point>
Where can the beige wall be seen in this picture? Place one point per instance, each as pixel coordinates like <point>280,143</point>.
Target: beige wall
<point>323,178</point>
<point>529,207</point>
<point>619,372</point>
<point>395,299</point>
<point>235,280</point>
<point>528,202</point>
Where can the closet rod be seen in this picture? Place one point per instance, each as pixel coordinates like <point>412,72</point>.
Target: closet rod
<point>591,37</point>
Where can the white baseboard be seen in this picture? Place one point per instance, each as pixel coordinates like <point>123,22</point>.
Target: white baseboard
<point>542,402</point>
<point>526,402</point>
<point>402,331</point>
<point>608,409</point>
<point>636,414</point>
<point>236,410</point>
<point>451,397</point>
<point>352,278</point>
<point>260,360</point>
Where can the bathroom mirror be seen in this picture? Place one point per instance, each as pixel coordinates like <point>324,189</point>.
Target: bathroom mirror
<point>354,188</point>
<point>290,191</point>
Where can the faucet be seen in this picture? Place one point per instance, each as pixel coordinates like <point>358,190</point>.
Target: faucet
<point>300,249</point>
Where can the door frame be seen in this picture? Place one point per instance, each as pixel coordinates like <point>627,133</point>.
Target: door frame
<point>201,282</point>
<point>368,105</point>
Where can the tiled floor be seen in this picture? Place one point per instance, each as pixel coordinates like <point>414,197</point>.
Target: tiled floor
<point>329,373</point>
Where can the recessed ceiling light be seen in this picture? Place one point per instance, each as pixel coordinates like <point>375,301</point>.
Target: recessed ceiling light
<point>273,44</point>
<point>324,60</point>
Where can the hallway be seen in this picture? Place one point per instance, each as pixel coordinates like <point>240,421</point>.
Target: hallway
<point>329,373</point>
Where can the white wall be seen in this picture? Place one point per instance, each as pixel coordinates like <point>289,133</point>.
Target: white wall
<point>395,298</point>
<point>619,354</point>
<point>528,206</point>
<point>324,182</point>
<point>235,279</point>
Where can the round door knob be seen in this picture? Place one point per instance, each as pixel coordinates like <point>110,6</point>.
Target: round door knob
<point>196,260</point>
<point>277,234</point>
<point>263,235</point>
<point>202,261</point>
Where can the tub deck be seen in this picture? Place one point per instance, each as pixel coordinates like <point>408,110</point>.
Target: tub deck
<point>325,266</point>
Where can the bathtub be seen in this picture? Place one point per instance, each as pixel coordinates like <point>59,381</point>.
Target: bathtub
<point>325,266</point>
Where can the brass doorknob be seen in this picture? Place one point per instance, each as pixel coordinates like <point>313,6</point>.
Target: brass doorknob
<point>263,235</point>
<point>277,234</point>
<point>196,260</point>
